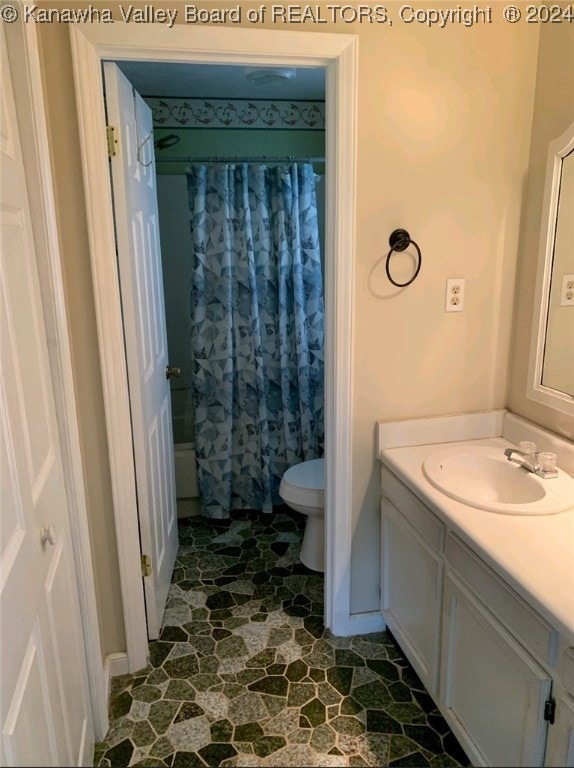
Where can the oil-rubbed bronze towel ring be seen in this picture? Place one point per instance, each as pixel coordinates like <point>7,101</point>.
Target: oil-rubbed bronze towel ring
<point>400,240</point>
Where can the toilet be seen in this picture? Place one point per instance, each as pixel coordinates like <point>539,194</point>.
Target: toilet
<point>303,489</point>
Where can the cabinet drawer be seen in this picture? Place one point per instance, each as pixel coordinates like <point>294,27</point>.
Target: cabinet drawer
<point>567,670</point>
<point>523,622</point>
<point>423,521</point>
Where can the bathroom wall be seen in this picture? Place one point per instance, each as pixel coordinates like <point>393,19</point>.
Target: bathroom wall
<point>553,113</point>
<point>444,130</point>
<point>444,119</point>
<point>239,142</point>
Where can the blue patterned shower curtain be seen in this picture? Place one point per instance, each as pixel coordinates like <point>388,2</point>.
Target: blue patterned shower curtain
<point>257,330</point>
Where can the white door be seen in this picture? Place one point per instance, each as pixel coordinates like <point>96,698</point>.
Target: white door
<point>139,257</point>
<point>44,710</point>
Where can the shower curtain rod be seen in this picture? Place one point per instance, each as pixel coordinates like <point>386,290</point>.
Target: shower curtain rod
<point>239,159</point>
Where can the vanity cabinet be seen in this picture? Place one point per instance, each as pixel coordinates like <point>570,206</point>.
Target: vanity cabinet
<point>560,749</point>
<point>561,737</point>
<point>491,687</point>
<point>488,659</point>
<point>412,581</point>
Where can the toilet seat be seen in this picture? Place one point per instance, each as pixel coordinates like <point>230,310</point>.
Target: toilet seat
<point>305,484</point>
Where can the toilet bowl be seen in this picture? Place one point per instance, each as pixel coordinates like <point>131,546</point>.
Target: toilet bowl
<point>303,489</point>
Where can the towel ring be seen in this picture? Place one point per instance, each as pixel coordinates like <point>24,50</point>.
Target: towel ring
<point>400,240</point>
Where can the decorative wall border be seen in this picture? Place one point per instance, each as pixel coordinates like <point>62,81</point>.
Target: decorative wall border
<point>237,113</point>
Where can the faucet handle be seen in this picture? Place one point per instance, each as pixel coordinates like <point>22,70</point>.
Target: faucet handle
<point>527,447</point>
<point>547,461</point>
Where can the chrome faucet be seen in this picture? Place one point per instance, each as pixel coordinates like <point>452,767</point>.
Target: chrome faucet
<point>539,463</point>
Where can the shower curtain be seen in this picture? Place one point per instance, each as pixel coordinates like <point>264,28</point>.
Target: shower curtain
<point>257,330</point>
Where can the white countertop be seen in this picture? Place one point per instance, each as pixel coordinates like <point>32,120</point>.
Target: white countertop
<point>533,554</point>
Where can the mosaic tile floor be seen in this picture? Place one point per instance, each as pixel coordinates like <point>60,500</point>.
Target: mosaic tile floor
<point>244,673</point>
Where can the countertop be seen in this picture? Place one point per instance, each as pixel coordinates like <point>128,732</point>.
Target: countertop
<point>534,554</point>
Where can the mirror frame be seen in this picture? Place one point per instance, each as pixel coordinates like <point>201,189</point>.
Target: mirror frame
<point>535,390</point>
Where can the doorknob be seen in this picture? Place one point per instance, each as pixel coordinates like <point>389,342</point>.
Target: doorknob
<point>171,372</point>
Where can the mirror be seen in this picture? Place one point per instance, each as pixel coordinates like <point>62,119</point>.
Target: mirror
<point>551,372</point>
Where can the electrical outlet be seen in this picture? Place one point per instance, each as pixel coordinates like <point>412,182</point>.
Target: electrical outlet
<point>454,301</point>
<point>567,292</point>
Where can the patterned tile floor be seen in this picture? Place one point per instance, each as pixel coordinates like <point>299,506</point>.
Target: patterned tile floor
<point>244,673</point>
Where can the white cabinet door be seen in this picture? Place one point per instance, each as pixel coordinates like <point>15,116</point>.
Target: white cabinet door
<point>491,690</point>
<point>141,282</point>
<point>412,576</point>
<point>45,712</point>
<point>560,750</point>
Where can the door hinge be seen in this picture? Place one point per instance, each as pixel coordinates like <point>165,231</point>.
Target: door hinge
<point>550,710</point>
<point>146,565</point>
<point>112,141</point>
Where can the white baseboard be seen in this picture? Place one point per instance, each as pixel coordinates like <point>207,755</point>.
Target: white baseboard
<point>115,664</point>
<point>365,623</point>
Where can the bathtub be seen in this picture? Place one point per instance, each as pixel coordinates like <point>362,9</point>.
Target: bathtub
<point>186,488</point>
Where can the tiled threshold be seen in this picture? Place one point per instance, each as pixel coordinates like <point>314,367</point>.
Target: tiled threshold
<point>244,673</point>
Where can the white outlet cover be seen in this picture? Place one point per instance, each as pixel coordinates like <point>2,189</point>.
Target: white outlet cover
<point>567,292</point>
<point>454,298</point>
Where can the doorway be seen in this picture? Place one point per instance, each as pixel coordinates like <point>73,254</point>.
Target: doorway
<point>297,130</point>
<point>209,113</point>
<point>337,53</point>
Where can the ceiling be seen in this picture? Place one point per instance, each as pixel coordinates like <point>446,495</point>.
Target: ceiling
<point>219,81</point>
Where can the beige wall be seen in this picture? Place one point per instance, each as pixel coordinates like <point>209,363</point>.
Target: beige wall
<point>444,121</point>
<point>553,113</point>
<point>444,130</point>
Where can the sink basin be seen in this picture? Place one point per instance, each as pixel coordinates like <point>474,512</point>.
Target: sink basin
<point>481,476</point>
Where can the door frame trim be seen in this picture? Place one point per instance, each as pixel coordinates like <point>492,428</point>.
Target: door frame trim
<point>338,53</point>
<point>36,152</point>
